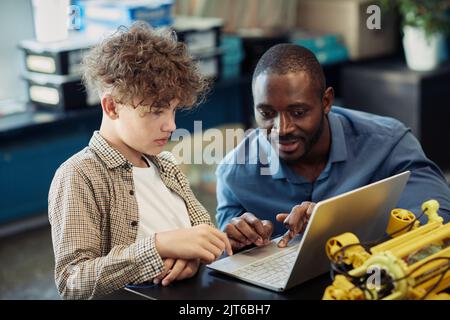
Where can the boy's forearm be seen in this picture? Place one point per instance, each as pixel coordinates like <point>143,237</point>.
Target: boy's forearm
<point>81,275</point>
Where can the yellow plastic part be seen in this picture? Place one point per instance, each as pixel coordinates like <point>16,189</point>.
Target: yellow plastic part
<point>404,238</point>
<point>342,289</point>
<point>400,222</point>
<point>413,245</point>
<point>440,296</point>
<point>354,255</point>
<point>396,268</point>
<point>431,208</point>
<point>415,263</point>
<point>336,243</point>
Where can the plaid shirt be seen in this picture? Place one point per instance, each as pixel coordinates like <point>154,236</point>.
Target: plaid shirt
<point>94,219</point>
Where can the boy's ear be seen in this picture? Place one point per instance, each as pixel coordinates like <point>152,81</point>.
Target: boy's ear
<point>109,107</point>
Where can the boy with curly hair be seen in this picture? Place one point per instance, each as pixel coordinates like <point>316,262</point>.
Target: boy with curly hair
<point>121,211</point>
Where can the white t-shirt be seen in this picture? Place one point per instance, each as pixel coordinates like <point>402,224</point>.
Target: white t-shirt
<point>160,209</point>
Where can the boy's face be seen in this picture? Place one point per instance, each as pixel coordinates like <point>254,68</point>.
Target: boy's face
<point>145,132</point>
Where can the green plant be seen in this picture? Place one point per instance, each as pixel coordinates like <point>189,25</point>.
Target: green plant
<point>431,15</point>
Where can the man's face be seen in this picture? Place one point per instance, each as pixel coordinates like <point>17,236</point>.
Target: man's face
<point>146,132</point>
<point>291,109</point>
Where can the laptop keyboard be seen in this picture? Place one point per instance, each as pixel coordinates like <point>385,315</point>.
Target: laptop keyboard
<point>273,270</point>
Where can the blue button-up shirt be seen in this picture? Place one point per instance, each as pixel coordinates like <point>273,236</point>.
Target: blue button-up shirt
<point>364,148</point>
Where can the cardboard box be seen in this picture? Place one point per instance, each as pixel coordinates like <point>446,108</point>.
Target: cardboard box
<point>349,18</point>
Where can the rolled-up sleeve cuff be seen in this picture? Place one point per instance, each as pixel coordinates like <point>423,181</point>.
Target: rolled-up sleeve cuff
<point>149,260</point>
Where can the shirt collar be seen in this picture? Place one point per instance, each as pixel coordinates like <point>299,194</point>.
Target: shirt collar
<point>338,152</point>
<point>110,156</point>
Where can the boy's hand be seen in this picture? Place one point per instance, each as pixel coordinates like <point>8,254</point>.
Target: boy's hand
<point>248,229</point>
<point>201,242</point>
<point>296,221</point>
<point>168,264</point>
<point>177,270</point>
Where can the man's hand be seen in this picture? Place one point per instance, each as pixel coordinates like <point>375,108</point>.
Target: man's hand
<point>296,221</point>
<point>248,229</point>
<point>177,269</point>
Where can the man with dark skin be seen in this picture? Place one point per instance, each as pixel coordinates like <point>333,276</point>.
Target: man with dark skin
<point>295,118</point>
<point>293,107</point>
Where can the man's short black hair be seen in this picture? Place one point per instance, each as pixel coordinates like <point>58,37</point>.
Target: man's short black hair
<point>286,58</point>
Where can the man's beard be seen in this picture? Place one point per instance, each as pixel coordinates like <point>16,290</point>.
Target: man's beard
<point>308,143</point>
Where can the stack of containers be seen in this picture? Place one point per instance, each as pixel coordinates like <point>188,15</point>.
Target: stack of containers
<point>53,73</point>
<point>203,38</point>
<point>202,35</point>
<point>52,69</point>
<point>103,16</point>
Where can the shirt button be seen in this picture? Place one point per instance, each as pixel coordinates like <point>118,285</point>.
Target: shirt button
<point>131,192</point>
<point>134,223</point>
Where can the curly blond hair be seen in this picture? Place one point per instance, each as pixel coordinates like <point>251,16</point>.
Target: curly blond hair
<point>139,63</point>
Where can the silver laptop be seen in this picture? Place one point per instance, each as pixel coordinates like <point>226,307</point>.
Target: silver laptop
<point>363,211</point>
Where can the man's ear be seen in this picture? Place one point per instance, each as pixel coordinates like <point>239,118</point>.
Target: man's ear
<point>109,107</point>
<point>327,99</point>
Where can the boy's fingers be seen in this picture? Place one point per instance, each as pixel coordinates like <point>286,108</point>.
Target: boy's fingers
<point>206,257</point>
<point>168,264</point>
<point>174,273</point>
<point>224,238</point>
<point>186,273</point>
<point>217,240</point>
<point>228,247</point>
<point>189,270</point>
